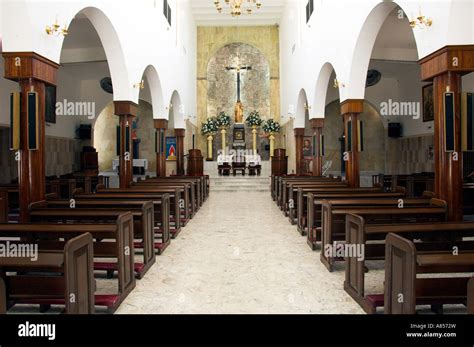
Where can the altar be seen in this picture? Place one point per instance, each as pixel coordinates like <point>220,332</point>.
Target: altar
<point>140,166</point>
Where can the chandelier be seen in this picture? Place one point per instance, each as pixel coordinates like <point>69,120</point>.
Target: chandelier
<point>421,21</point>
<point>238,6</point>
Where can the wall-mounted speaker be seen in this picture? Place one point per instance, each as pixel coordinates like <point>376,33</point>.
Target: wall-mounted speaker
<point>118,142</point>
<point>449,111</point>
<point>349,136</point>
<point>360,136</point>
<point>33,121</point>
<point>467,122</point>
<point>318,146</point>
<point>394,130</point>
<point>15,107</point>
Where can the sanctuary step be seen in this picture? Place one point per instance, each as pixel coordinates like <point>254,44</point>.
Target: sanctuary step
<point>240,184</point>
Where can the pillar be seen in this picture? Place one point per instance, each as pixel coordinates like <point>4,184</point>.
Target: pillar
<point>126,111</point>
<point>317,124</point>
<point>32,71</point>
<point>180,134</point>
<point>350,110</point>
<point>445,68</point>
<point>299,138</point>
<point>161,125</point>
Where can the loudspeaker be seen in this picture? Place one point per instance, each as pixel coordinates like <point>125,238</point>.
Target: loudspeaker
<point>15,107</point>
<point>449,111</point>
<point>394,130</point>
<point>159,141</point>
<point>467,121</point>
<point>118,142</point>
<point>33,121</point>
<point>349,136</point>
<point>360,136</point>
<point>318,146</point>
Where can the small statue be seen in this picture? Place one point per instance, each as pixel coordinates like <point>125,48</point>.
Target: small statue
<point>239,113</point>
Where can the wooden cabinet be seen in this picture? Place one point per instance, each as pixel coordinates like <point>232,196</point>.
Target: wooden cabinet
<point>279,163</point>
<point>195,163</point>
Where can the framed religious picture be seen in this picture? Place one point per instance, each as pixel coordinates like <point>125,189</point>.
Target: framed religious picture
<point>307,154</point>
<point>428,103</point>
<point>171,154</point>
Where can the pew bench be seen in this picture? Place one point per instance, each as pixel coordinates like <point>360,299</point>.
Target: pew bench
<point>334,220</point>
<point>432,236</point>
<point>120,247</point>
<point>142,227</point>
<point>403,261</point>
<point>62,277</point>
<point>159,222</point>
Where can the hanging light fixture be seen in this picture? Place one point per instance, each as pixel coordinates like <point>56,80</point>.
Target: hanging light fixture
<point>421,22</point>
<point>56,30</point>
<point>237,7</point>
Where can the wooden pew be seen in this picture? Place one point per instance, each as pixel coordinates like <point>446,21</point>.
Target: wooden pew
<point>404,290</point>
<point>143,220</point>
<point>159,222</point>
<point>277,182</point>
<point>143,215</point>
<point>3,295</point>
<point>191,190</point>
<point>159,200</point>
<point>3,205</point>
<point>48,236</point>
<point>314,213</point>
<point>309,207</point>
<point>283,181</point>
<point>470,296</point>
<point>435,236</point>
<point>202,183</point>
<point>71,282</point>
<point>178,196</point>
<point>291,199</point>
<point>199,184</point>
<point>334,220</point>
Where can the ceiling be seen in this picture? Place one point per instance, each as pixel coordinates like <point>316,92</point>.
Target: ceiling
<point>205,14</point>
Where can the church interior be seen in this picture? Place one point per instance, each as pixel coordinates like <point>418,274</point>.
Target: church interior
<point>237,157</point>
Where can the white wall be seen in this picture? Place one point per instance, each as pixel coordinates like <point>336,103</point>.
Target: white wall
<point>343,33</point>
<point>134,34</point>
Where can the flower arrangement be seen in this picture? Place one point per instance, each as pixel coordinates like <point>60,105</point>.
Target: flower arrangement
<point>271,127</point>
<point>254,119</point>
<point>210,127</point>
<point>223,120</point>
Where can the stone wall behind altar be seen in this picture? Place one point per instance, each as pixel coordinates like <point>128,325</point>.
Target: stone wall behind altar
<point>260,87</point>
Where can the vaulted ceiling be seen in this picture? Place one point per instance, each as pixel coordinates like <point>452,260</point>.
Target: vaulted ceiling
<point>205,14</point>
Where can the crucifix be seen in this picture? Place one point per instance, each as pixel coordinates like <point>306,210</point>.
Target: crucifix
<point>238,69</point>
<point>239,109</point>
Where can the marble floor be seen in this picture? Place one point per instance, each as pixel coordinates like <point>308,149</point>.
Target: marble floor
<point>239,255</point>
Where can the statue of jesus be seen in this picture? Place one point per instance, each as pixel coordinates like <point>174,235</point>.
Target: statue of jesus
<point>239,113</point>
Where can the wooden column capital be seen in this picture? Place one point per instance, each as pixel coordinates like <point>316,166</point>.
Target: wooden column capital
<point>455,59</point>
<point>180,132</point>
<point>23,65</point>
<point>317,123</point>
<point>299,131</point>
<point>352,106</point>
<point>125,108</point>
<point>161,123</point>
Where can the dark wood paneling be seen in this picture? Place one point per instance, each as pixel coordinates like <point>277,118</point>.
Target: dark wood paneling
<point>32,65</point>
<point>299,137</point>
<point>442,61</point>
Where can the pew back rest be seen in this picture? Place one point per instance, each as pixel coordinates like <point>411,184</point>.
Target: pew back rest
<point>400,275</point>
<point>79,275</point>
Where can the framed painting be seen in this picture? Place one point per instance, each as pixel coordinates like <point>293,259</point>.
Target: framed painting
<point>171,154</point>
<point>428,103</point>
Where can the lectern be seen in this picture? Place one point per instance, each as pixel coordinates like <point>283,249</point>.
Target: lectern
<point>279,162</point>
<point>195,163</point>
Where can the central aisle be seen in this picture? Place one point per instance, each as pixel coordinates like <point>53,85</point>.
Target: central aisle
<point>239,255</point>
